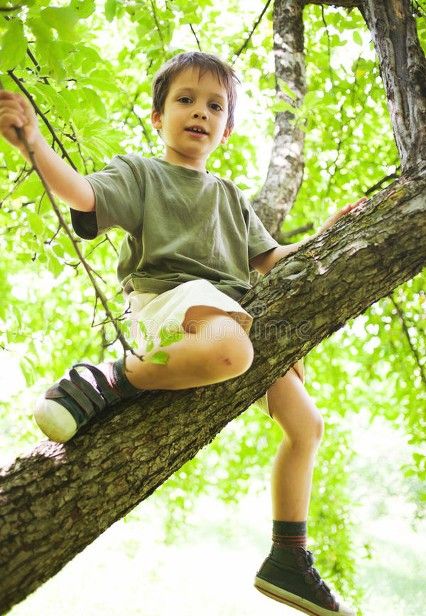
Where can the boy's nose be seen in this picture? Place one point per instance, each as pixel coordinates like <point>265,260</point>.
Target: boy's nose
<point>200,114</point>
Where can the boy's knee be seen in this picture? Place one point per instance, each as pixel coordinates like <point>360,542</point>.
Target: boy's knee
<point>311,436</point>
<point>231,357</point>
<point>318,427</point>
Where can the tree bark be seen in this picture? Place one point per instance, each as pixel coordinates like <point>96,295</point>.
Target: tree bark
<point>56,500</point>
<point>403,70</point>
<point>285,170</point>
<point>347,4</point>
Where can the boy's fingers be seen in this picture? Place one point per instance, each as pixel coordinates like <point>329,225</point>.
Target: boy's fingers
<point>6,95</point>
<point>359,202</point>
<point>9,117</point>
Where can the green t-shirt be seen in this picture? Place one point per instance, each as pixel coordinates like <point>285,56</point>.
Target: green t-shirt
<point>181,225</point>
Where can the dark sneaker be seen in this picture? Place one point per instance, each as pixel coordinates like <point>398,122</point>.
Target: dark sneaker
<point>73,401</point>
<point>292,579</point>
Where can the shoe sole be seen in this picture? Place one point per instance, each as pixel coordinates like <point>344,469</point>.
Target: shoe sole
<point>274,592</point>
<point>54,420</point>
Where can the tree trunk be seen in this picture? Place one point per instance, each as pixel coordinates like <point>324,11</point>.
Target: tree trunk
<point>403,70</point>
<point>285,170</point>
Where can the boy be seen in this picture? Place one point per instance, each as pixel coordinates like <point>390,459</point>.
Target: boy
<point>191,241</point>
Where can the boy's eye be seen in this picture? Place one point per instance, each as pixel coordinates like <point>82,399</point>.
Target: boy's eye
<point>185,99</point>
<point>216,107</point>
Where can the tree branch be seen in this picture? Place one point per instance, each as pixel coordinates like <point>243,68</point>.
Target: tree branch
<point>403,70</point>
<point>347,4</point>
<point>285,170</point>
<point>57,499</point>
<point>196,37</point>
<point>248,39</point>
<point>44,118</point>
<point>98,292</point>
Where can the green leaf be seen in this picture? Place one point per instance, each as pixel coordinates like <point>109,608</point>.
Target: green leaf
<point>53,264</point>
<point>56,101</point>
<point>29,370</point>
<point>149,346</point>
<point>85,58</point>
<point>281,106</point>
<point>284,87</point>
<point>169,336</point>
<point>40,29</point>
<point>13,46</point>
<point>101,80</point>
<point>110,9</point>
<point>143,329</point>
<point>160,357</point>
<point>50,55</point>
<point>36,223</point>
<point>94,100</point>
<point>63,20</point>
<point>66,245</point>
<point>30,188</point>
<point>83,8</point>
<point>357,37</point>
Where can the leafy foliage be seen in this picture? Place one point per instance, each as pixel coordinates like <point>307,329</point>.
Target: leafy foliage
<point>88,72</point>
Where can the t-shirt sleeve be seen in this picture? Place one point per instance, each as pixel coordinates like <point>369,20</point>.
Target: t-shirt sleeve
<point>259,238</point>
<point>118,190</point>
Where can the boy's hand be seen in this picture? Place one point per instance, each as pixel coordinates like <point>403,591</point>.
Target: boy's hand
<point>345,210</point>
<point>16,111</point>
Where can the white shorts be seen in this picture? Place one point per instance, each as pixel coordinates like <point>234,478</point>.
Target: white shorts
<point>168,310</point>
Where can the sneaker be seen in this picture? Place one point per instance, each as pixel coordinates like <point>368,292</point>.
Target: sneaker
<point>73,401</point>
<point>294,581</point>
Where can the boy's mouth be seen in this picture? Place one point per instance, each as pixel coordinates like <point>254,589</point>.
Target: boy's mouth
<point>197,130</point>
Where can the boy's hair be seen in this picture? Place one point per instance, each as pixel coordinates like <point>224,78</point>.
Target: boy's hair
<point>205,62</point>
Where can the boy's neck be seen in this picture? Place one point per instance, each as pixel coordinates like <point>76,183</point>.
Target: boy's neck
<point>174,158</point>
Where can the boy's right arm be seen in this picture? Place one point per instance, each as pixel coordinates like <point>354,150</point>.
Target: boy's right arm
<point>69,185</point>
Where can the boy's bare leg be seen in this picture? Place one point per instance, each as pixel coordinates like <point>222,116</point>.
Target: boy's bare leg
<point>214,348</point>
<point>287,574</point>
<point>293,409</point>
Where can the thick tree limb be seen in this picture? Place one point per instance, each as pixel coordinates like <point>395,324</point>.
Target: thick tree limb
<point>403,70</point>
<point>285,170</point>
<point>57,499</point>
<point>347,4</point>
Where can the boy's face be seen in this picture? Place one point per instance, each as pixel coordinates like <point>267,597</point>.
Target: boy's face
<point>193,101</point>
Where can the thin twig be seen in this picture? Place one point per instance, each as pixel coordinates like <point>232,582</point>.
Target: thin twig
<point>132,107</point>
<point>23,175</point>
<point>99,293</point>
<point>330,70</point>
<point>154,13</point>
<point>37,66</point>
<point>407,335</point>
<point>44,118</point>
<point>289,234</point>
<point>196,37</point>
<point>107,237</point>
<point>246,42</point>
<point>391,176</point>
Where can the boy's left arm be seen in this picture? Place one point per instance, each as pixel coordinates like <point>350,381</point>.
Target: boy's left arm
<point>264,262</point>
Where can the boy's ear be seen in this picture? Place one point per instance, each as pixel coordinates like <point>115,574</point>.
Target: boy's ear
<point>226,134</point>
<point>156,119</point>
